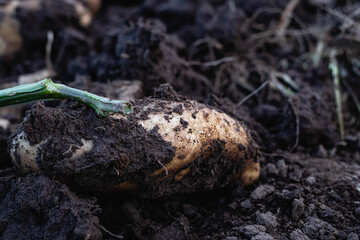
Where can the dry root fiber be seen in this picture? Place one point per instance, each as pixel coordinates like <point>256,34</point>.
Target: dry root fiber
<point>164,147</point>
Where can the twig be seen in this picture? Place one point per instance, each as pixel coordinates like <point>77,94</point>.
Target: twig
<point>117,171</point>
<point>333,66</point>
<point>286,17</point>
<point>257,13</point>
<point>286,90</point>
<point>166,170</point>
<point>296,113</point>
<point>349,21</point>
<point>42,73</point>
<point>213,63</point>
<point>111,234</point>
<point>49,43</point>
<point>256,91</point>
<point>70,148</point>
<point>210,42</point>
<point>318,53</point>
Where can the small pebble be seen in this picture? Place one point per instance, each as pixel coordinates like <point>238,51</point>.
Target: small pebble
<point>352,236</point>
<point>310,209</point>
<point>295,175</point>
<point>297,234</point>
<point>268,219</point>
<point>321,152</point>
<point>310,180</point>
<point>262,191</point>
<point>297,210</point>
<point>290,195</point>
<point>271,169</point>
<point>246,204</point>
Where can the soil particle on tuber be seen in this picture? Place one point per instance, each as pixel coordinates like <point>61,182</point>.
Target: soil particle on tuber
<point>140,151</point>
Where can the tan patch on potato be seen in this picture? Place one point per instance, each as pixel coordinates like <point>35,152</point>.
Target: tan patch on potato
<point>251,173</point>
<point>124,186</point>
<point>85,16</point>
<point>85,148</point>
<point>181,174</point>
<point>203,125</point>
<point>208,125</point>
<point>26,152</point>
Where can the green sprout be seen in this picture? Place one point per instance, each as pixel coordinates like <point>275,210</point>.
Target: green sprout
<point>48,90</point>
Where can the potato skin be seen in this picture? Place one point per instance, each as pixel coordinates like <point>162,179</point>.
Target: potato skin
<point>191,127</point>
<point>163,148</point>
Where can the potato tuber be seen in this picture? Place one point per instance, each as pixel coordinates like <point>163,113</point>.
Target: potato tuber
<point>164,147</point>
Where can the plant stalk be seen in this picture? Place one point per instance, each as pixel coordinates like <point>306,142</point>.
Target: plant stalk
<point>46,89</point>
<point>334,67</point>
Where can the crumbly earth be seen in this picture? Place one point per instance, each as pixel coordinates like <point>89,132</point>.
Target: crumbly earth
<point>143,51</point>
<point>219,52</point>
<point>37,207</point>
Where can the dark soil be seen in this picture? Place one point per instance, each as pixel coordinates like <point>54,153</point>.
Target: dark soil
<point>217,52</point>
<point>37,206</point>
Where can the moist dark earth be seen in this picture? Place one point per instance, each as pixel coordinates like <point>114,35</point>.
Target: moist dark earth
<point>268,64</point>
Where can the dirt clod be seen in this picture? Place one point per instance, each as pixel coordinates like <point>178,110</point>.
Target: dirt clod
<point>144,51</point>
<point>268,219</point>
<point>297,210</point>
<point>262,191</point>
<point>263,236</point>
<point>297,234</point>
<point>252,230</point>
<point>352,236</point>
<point>316,228</point>
<point>30,207</point>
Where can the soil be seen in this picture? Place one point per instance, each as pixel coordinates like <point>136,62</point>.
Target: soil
<point>217,52</point>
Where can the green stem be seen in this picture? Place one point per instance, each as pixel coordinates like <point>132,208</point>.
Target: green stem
<point>48,90</point>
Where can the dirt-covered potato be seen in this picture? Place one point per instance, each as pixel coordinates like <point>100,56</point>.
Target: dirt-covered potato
<point>164,147</point>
